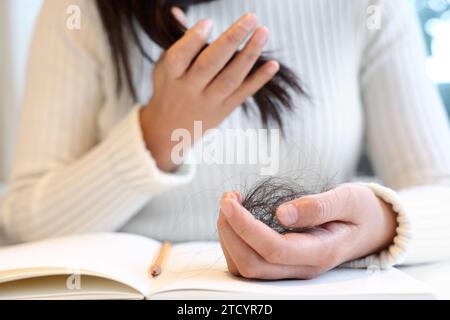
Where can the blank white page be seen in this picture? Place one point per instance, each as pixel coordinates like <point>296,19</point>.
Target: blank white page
<point>121,257</point>
<point>202,267</point>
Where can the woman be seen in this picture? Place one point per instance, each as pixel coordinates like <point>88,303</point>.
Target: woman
<point>91,157</point>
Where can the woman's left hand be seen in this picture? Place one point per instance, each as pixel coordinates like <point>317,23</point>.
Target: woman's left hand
<point>344,224</point>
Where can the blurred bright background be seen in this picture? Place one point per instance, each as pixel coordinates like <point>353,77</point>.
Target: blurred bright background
<point>435,18</point>
<point>16,24</point>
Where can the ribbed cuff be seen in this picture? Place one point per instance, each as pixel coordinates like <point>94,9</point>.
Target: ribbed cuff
<point>396,253</point>
<point>133,163</point>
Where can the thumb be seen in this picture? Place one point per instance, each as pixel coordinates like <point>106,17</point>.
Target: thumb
<point>316,210</point>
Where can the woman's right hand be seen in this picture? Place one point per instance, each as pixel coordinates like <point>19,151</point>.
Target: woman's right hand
<point>193,85</point>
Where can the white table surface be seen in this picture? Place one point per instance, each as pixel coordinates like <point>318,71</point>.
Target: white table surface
<point>436,275</point>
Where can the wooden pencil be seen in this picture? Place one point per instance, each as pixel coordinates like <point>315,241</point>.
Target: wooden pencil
<point>158,265</point>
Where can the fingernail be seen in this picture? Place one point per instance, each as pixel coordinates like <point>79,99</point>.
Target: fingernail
<point>262,37</point>
<point>205,27</point>
<point>230,195</point>
<point>250,20</point>
<point>227,208</point>
<point>287,215</point>
<point>273,68</point>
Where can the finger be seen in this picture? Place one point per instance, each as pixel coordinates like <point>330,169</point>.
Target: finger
<point>313,249</point>
<point>234,195</point>
<point>315,210</point>
<point>251,265</point>
<point>252,85</point>
<point>179,57</point>
<point>230,262</point>
<point>269,244</point>
<point>214,58</point>
<point>180,16</point>
<point>236,72</point>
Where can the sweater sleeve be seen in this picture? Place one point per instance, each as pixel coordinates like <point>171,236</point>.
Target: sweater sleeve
<point>65,179</point>
<point>408,138</point>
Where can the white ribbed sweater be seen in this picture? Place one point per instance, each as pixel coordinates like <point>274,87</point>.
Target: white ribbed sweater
<point>81,164</point>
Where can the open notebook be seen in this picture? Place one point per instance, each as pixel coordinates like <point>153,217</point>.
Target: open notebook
<point>114,266</point>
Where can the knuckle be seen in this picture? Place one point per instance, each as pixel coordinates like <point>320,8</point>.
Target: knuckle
<point>204,64</point>
<point>320,207</point>
<point>210,95</point>
<point>236,36</point>
<point>248,271</point>
<point>172,59</point>
<point>251,55</point>
<point>343,191</point>
<point>227,85</point>
<point>242,232</point>
<point>346,196</point>
<point>311,274</point>
<point>349,194</point>
<point>242,30</point>
<point>171,56</point>
<point>275,256</point>
<point>197,35</point>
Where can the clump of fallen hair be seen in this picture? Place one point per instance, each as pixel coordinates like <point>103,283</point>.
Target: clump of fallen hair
<point>263,200</point>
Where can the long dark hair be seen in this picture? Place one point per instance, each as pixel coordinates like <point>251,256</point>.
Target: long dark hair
<point>155,17</point>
